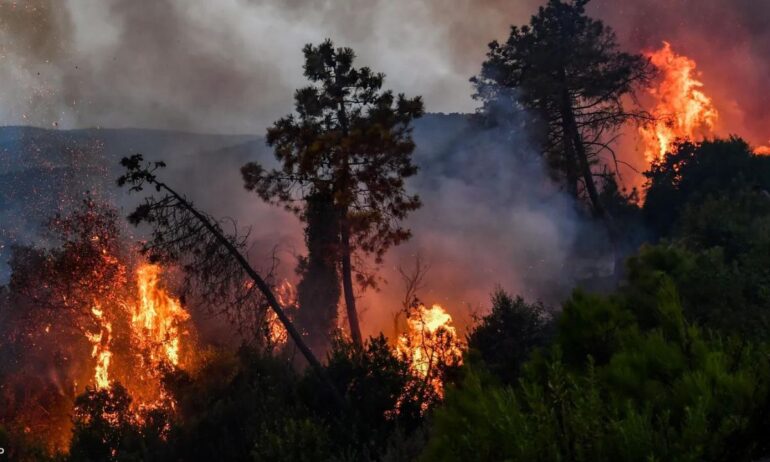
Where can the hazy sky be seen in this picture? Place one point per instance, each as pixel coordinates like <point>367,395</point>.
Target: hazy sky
<point>232,65</point>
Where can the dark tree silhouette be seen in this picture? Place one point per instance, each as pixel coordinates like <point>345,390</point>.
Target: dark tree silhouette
<point>353,141</point>
<point>566,69</point>
<point>695,172</point>
<point>319,290</point>
<point>506,337</point>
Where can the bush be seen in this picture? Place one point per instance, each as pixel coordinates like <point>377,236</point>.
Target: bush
<point>663,391</point>
<point>505,337</point>
<point>385,398</point>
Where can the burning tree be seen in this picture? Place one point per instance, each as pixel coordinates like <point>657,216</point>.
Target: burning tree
<point>87,315</point>
<point>350,142</point>
<point>431,347</point>
<point>565,67</point>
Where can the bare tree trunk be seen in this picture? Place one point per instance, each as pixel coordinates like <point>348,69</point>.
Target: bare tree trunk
<point>347,283</point>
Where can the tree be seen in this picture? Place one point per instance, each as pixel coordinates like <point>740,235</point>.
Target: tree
<point>210,256</point>
<point>352,141</point>
<point>615,387</point>
<point>696,172</point>
<point>319,290</point>
<point>566,69</point>
<point>506,337</point>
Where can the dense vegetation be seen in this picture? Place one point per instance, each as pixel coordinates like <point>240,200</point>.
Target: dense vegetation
<point>673,363</point>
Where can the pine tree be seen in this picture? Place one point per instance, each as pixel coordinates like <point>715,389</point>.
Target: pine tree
<point>353,140</point>
<point>566,70</point>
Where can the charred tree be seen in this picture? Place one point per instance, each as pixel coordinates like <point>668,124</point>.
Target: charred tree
<point>353,139</point>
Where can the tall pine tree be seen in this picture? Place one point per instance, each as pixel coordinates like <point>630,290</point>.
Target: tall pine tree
<point>352,140</point>
<point>566,70</point>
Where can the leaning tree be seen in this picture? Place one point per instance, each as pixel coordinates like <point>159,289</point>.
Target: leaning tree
<point>566,70</point>
<point>350,141</point>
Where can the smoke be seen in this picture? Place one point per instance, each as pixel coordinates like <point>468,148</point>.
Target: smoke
<point>232,66</point>
<point>227,66</point>
<point>491,217</point>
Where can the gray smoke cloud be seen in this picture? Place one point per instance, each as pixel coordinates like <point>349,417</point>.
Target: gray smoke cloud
<point>232,65</point>
<point>225,66</point>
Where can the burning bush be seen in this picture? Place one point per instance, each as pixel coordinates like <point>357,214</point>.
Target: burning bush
<point>86,313</point>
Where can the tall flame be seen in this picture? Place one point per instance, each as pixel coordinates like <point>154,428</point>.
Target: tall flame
<point>430,342</point>
<point>286,294</point>
<point>101,348</point>
<point>682,111</point>
<point>156,317</point>
<point>155,337</point>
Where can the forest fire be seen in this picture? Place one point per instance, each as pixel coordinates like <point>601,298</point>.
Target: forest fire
<point>157,338</point>
<point>156,318</point>
<point>682,110</point>
<point>187,290</point>
<point>286,293</point>
<point>101,349</point>
<point>429,343</point>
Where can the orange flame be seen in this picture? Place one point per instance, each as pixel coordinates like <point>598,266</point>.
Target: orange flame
<point>156,317</point>
<point>762,150</point>
<point>286,294</point>
<point>101,348</point>
<point>683,110</point>
<point>430,342</point>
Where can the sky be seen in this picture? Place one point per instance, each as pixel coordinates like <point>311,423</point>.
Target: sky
<point>231,66</point>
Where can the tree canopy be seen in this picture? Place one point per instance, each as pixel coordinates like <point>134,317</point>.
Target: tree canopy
<point>565,68</point>
<point>352,141</point>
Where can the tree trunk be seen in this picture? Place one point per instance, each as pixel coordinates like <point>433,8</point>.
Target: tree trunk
<point>571,168</point>
<point>571,131</point>
<point>572,135</point>
<point>318,293</point>
<point>347,282</point>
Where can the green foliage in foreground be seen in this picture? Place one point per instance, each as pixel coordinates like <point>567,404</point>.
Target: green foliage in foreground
<point>617,384</point>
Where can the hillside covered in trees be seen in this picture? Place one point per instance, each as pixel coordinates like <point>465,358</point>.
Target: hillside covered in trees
<point>146,312</point>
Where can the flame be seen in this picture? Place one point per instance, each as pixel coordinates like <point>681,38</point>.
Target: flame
<point>286,294</point>
<point>101,348</point>
<point>154,320</point>
<point>682,110</point>
<point>430,342</point>
<point>156,317</point>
